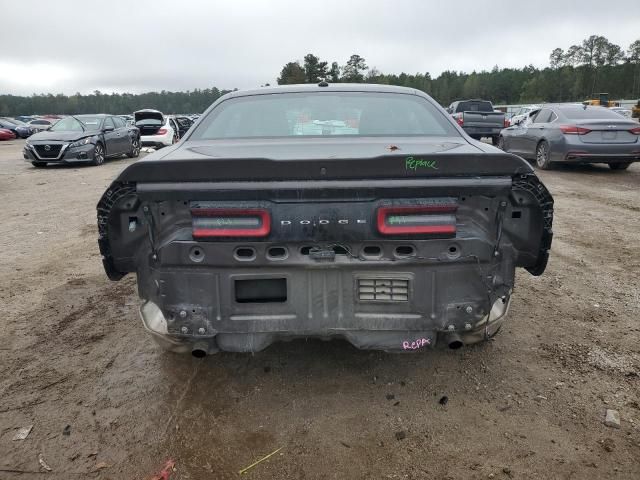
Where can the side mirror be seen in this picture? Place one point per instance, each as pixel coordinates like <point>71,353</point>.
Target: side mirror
<point>108,129</point>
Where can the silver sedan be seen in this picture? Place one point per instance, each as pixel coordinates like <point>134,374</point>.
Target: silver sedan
<point>574,134</point>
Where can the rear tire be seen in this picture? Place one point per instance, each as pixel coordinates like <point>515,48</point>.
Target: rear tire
<point>542,156</point>
<point>98,155</point>
<point>494,140</point>
<point>39,164</point>
<point>135,148</point>
<point>619,166</point>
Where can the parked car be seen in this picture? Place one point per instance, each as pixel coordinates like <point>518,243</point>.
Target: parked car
<point>574,134</point>
<point>41,124</point>
<point>478,118</point>
<point>184,124</point>
<point>128,119</point>
<point>522,113</point>
<point>25,118</point>
<point>19,129</point>
<point>156,129</point>
<point>6,134</point>
<point>399,234</point>
<point>83,139</point>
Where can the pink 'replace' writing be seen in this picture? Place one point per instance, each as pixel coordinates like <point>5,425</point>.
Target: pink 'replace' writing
<point>419,343</point>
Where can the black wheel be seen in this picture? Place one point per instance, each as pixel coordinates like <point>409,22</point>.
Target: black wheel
<point>494,140</point>
<point>135,148</point>
<point>98,155</point>
<point>542,156</point>
<point>39,164</point>
<point>619,166</point>
<point>501,142</point>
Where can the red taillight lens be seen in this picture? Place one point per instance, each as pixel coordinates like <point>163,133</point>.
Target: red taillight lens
<point>437,219</point>
<point>162,131</point>
<point>573,130</point>
<point>507,123</point>
<point>460,121</point>
<point>635,131</point>
<point>232,222</point>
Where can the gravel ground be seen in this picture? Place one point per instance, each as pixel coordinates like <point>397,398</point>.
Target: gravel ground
<point>529,404</point>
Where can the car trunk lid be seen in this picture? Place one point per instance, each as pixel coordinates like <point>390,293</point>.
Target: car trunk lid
<point>148,121</point>
<point>604,132</point>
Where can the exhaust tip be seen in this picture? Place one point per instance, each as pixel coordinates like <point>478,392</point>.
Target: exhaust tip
<point>200,350</point>
<point>198,353</point>
<point>454,341</point>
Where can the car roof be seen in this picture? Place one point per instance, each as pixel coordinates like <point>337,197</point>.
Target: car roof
<point>315,87</point>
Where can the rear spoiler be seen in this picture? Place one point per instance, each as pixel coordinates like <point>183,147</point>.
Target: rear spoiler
<point>383,167</point>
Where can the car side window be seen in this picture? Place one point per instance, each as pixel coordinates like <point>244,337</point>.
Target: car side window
<point>173,124</point>
<point>118,122</point>
<point>109,123</point>
<point>553,118</point>
<point>544,116</point>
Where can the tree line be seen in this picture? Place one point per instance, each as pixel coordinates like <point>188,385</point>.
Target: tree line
<point>195,101</point>
<point>583,70</point>
<point>575,74</point>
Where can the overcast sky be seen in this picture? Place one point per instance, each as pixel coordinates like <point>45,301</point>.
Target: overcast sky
<point>143,45</point>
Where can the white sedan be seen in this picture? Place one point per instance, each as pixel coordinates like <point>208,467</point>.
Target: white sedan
<point>156,129</point>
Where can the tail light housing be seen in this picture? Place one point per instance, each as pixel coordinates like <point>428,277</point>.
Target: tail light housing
<point>635,130</point>
<point>507,123</point>
<point>162,131</point>
<point>437,219</point>
<point>231,222</point>
<point>574,130</point>
<point>460,120</point>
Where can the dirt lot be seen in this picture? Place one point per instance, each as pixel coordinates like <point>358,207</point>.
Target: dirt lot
<point>529,404</point>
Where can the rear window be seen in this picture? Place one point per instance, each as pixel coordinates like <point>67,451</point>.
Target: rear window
<point>324,114</point>
<point>595,113</point>
<point>474,107</point>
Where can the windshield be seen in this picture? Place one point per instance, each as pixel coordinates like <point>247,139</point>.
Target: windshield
<point>68,124</point>
<point>324,114</point>
<point>91,122</point>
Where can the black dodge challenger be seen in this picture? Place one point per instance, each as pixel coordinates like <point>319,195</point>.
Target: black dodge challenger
<point>83,139</point>
<point>355,211</point>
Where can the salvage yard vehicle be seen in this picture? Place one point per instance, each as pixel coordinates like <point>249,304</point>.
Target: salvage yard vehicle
<point>83,139</point>
<point>184,124</point>
<point>156,129</point>
<point>41,124</point>
<point>6,134</point>
<point>478,118</point>
<point>19,129</point>
<point>574,134</point>
<point>395,234</point>
<point>522,114</point>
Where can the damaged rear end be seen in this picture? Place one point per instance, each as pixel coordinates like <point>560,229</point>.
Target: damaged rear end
<point>237,245</point>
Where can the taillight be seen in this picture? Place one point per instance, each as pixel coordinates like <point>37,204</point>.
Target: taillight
<point>437,219</point>
<point>573,130</point>
<point>460,120</point>
<point>507,123</point>
<point>635,131</point>
<point>162,131</point>
<point>232,222</point>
